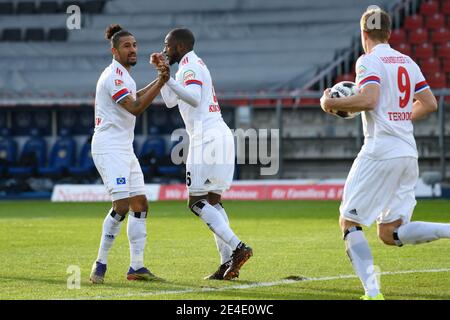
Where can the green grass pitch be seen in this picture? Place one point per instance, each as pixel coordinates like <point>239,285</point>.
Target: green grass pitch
<point>39,240</point>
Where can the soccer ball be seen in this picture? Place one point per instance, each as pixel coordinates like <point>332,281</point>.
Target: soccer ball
<point>344,89</point>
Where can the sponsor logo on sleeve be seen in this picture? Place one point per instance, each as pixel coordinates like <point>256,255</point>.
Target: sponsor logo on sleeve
<point>118,82</point>
<point>361,72</point>
<point>188,75</point>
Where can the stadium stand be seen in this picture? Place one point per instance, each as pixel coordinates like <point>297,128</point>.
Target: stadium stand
<point>257,51</point>
<point>265,38</point>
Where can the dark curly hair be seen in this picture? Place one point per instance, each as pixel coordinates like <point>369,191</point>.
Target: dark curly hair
<point>114,32</point>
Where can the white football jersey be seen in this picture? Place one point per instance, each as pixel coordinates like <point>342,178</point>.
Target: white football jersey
<point>114,126</point>
<point>192,71</point>
<point>388,129</point>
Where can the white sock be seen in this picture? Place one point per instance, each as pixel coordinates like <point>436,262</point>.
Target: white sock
<point>111,228</point>
<point>361,257</point>
<point>420,232</point>
<point>215,222</point>
<point>224,249</point>
<point>137,236</point>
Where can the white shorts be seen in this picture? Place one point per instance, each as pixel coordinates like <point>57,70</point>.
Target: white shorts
<point>381,190</point>
<point>121,174</point>
<point>210,164</point>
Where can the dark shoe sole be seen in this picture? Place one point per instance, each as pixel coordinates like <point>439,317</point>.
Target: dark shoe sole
<point>234,273</point>
<point>137,277</point>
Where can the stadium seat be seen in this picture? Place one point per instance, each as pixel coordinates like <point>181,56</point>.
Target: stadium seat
<point>431,65</point>
<point>12,34</point>
<point>57,34</point>
<point>34,34</point>
<point>429,8</point>
<point>26,7</point>
<point>413,22</point>
<point>85,165</point>
<point>155,144</point>
<point>8,150</point>
<point>446,8</point>
<point>67,4</point>
<point>404,48</point>
<point>167,169</point>
<point>48,7</point>
<point>444,51</point>
<point>93,6</point>
<point>424,51</point>
<point>6,8</point>
<point>436,22</point>
<point>33,155</point>
<point>441,36</point>
<point>446,65</point>
<point>397,36</point>
<point>418,36</point>
<point>151,155</point>
<point>436,80</point>
<point>62,156</point>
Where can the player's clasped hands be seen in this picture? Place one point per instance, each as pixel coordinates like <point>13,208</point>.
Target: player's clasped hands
<point>159,61</point>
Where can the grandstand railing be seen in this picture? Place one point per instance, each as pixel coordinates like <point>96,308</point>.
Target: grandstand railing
<point>299,99</point>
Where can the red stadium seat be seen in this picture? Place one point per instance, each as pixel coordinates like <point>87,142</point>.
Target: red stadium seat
<point>431,65</point>
<point>404,48</point>
<point>413,22</point>
<point>444,51</point>
<point>436,80</point>
<point>397,36</point>
<point>418,36</point>
<point>435,22</point>
<point>446,7</point>
<point>441,36</point>
<point>446,65</point>
<point>429,8</point>
<point>424,51</point>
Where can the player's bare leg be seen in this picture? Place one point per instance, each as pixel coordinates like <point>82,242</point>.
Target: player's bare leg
<point>200,206</point>
<point>137,236</point>
<point>111,228</point>
<point>361,258</point>
<point>398,233</point>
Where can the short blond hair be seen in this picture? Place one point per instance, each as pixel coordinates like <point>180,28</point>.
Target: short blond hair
<point>377,24</point>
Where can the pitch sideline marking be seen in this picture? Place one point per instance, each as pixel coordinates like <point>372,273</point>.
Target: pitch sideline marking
<point>252,285</point>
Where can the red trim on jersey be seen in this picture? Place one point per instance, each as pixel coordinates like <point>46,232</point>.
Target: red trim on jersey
<point>119,72</point>
<point>120,94</point>
<point>185,60</point>
<point>188,82</point>
<point>421,85</point>
<point>370,79</point>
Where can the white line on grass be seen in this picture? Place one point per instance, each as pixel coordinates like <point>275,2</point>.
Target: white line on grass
<point>251,285</point>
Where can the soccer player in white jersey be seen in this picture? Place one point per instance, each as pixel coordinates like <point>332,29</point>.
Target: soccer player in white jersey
<point>117,103</point>
<point>210,162</point>
<point>381,182</point>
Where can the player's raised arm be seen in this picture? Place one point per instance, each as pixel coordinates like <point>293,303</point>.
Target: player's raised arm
<point>138,106</point>
<point>141,92</point>
<point>190,94</point>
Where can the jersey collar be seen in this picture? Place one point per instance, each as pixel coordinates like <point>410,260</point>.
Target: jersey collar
<point>188,56</point>
<point>381,46</point>
<point>116,64</point>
